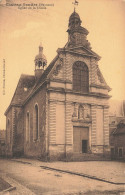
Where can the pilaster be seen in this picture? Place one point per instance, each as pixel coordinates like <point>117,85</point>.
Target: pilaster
<point>52,122</point>
<point>106,126</point>
<point>68,124</point>
<point>93,130</point>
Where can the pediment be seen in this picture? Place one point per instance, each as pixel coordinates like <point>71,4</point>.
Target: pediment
<point>83,51</point>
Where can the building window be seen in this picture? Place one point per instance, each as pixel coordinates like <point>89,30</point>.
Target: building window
<point>113,122</point>
<point>8,131</point>
<point>27,126</point>
<point>36,123</point>
<point>8,123</point>
<point>120,152</point>
<point>80,77</point>
<point>112,153</point>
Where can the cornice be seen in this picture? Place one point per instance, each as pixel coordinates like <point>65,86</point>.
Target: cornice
<point>101,86</point>
<point>76,53</point>
<point>62,90</point>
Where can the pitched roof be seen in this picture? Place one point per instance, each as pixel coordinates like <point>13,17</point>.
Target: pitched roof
<point>27,85</point>
<point>24,86</point>
<point>41,80</point>
<point>120,128</point>
<point>119,131</point>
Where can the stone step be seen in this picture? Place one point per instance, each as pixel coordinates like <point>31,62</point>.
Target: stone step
<point>88,157</point>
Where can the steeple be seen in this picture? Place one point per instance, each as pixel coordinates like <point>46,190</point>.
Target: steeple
<point>74,20</point>
<point>40,62</point>
<point>76,33</point>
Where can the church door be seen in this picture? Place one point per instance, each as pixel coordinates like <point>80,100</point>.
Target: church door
<point>80,139</point>
<point>84,146</point>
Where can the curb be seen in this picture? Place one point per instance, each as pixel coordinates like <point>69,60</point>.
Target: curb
<point>73,173</point>
<point>8,190</point>
<point>21,162</point>
<point>82,175</point>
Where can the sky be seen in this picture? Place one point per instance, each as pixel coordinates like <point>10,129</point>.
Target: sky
<point>22,30</point>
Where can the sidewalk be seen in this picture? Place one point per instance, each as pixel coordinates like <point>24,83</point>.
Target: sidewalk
<point>5,186</point>
<point>107,170</point>
<point>12,187</point>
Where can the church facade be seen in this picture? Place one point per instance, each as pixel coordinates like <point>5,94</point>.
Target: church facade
<point>62,110</point>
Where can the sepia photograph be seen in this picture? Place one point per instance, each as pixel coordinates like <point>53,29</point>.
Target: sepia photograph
<point>62,97</point>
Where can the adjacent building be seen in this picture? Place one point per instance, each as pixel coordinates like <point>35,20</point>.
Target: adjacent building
<point>116,112</point>
<point>2,142</point>
<point>117,129</point>
<point>61,110</point>
<point>117,142</point>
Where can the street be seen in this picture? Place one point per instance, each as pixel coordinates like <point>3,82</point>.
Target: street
<point>29,178</point>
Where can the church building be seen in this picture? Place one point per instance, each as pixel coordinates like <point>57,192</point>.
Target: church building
<point>61,112</point>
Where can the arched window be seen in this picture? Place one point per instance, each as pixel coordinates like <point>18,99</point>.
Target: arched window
<point>27,126</point>
<point>8,123</point>
<point>8,131</point>
<point>80,77</point>
<point>36,123</point>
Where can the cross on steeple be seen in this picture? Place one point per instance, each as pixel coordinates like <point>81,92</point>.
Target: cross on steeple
<point>75,4</point>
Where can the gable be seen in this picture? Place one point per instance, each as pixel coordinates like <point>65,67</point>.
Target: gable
<point>59,70</point>
<point>81,50</point>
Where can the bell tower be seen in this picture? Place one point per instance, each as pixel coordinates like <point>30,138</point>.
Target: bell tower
<point>77,35</point>
<point>40,63</point>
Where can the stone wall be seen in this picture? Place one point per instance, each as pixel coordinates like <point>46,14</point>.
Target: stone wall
<point>2,142</point>
<point>14,130</point>
<point>98,136</point>
<point>36,148</point>
<point>9,130</point>
<point>119,143</point>
<point>18,143</point>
